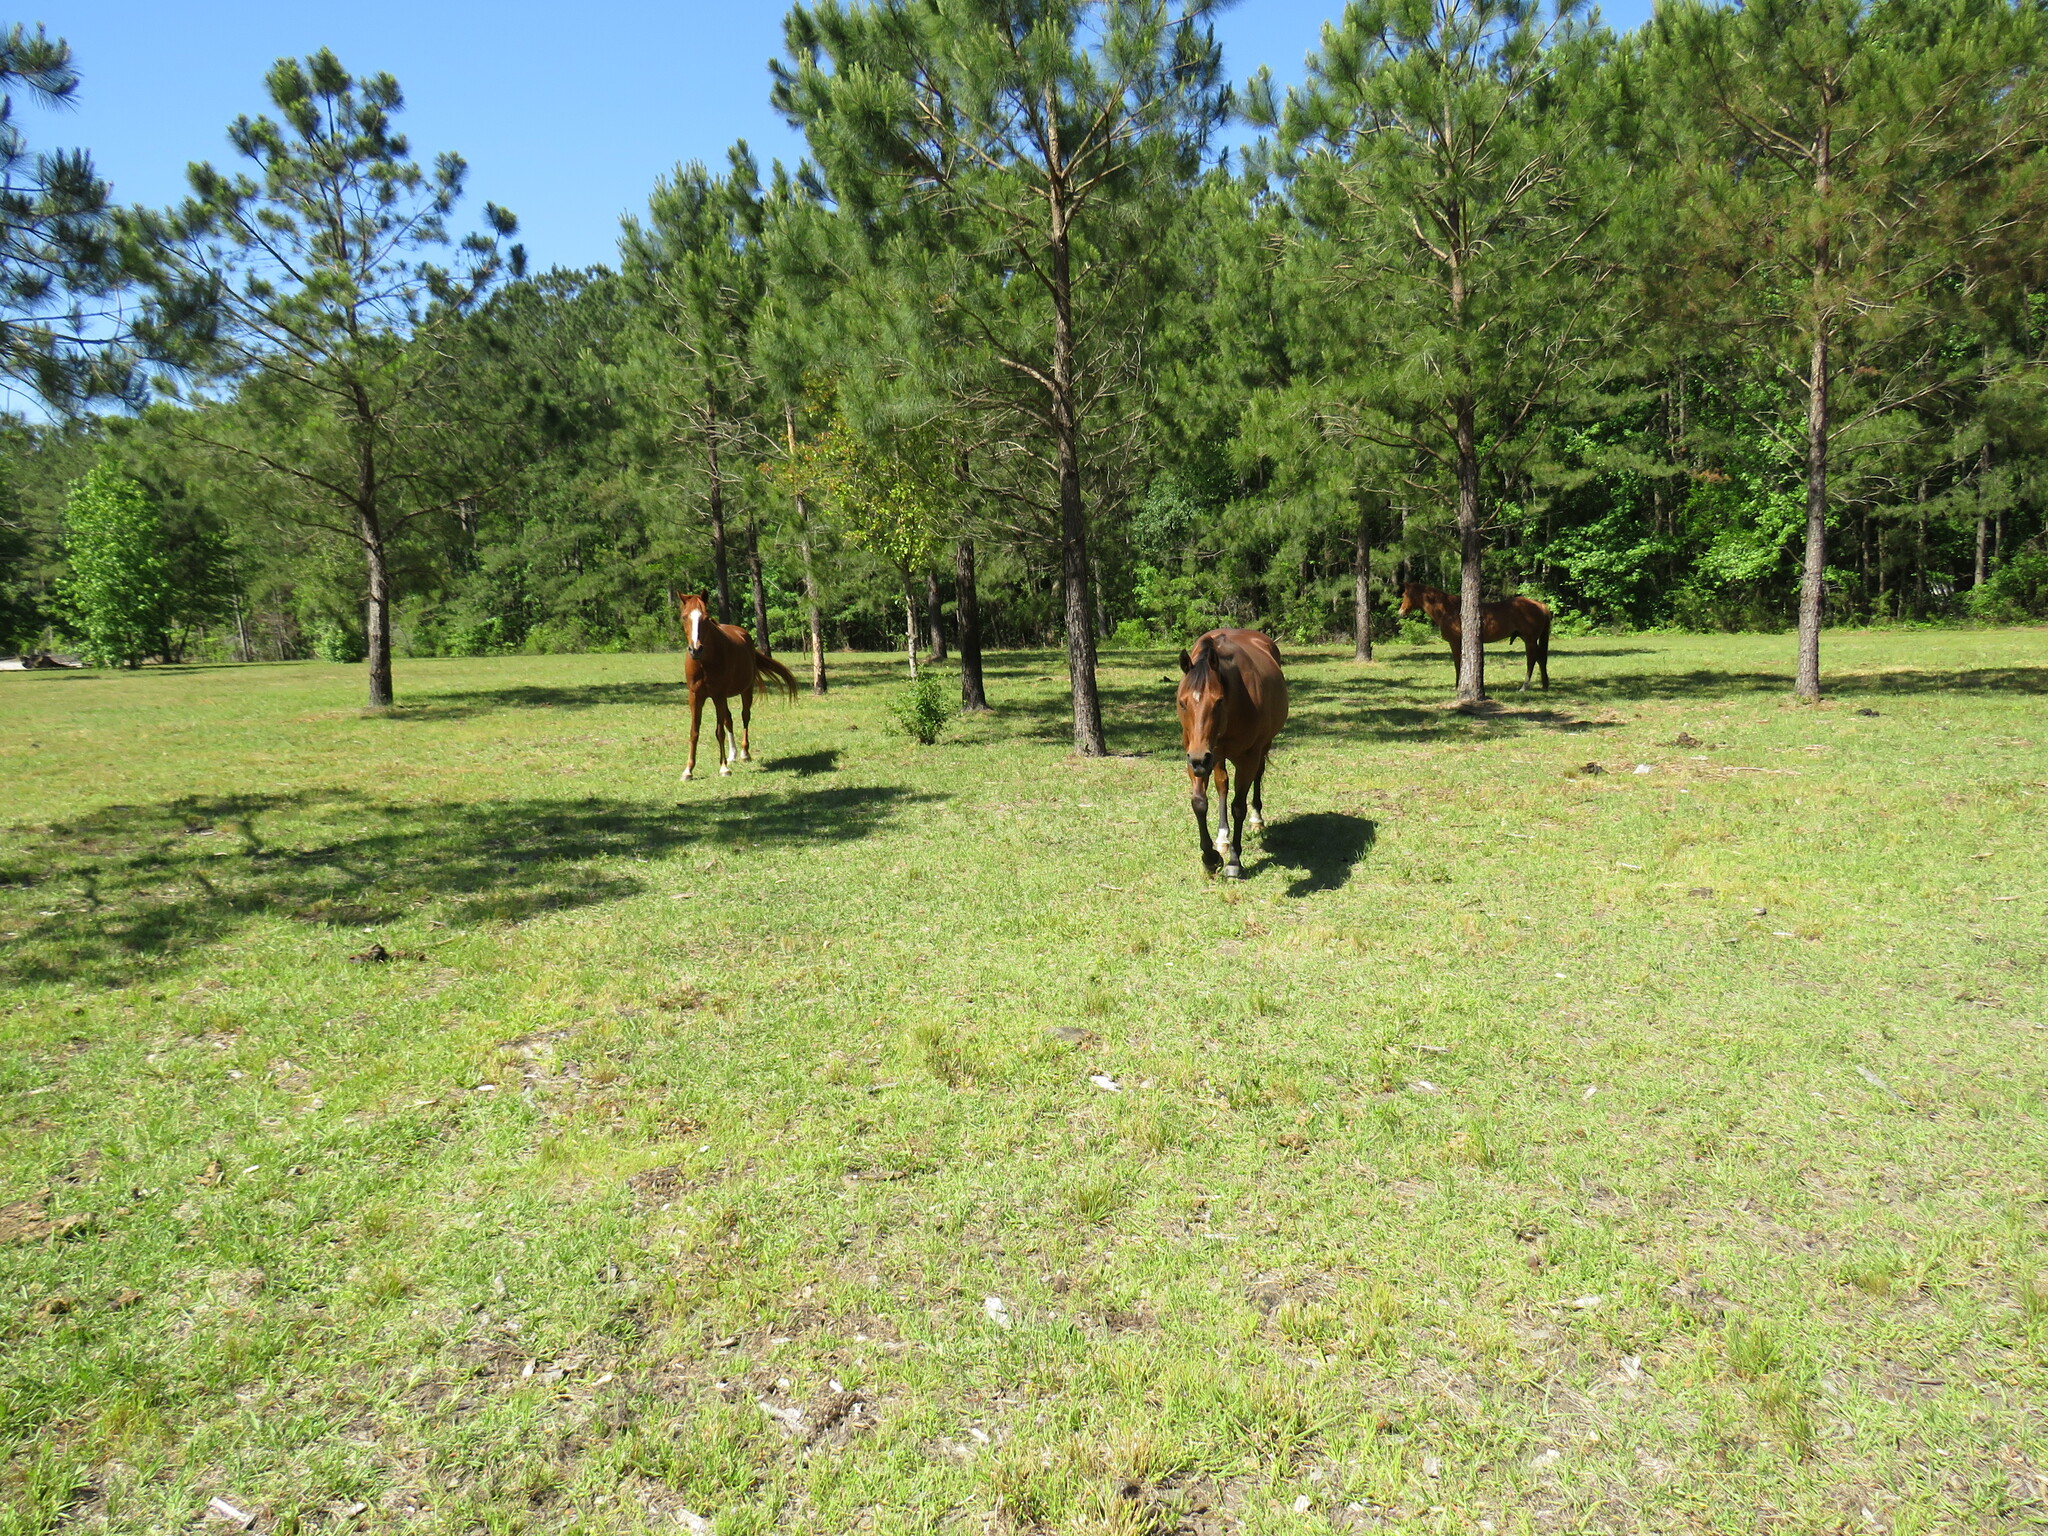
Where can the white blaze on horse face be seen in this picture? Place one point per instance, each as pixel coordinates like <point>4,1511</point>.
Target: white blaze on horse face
<point>696,628</point>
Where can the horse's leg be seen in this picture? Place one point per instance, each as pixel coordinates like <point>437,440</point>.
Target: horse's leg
<point>1245,779</point>
<point>1259,795</point>
<point>1528,661</point>
<point>1546,663</point>
<point>1198,801</point>
<point>696,720</point>
<point>1456,668</point>
<point>747,723</point>
<point>1224,850</point>
<point>728,738</point>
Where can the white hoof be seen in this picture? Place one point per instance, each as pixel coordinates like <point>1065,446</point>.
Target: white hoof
<point>686,775</point>
<point>746,757</point>
<point>1253,824</point>
<point>725,770</point>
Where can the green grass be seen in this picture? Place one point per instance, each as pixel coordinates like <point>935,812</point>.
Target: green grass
<point>1517,1149</point>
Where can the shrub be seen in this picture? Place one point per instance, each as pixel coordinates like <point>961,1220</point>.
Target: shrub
<point>337,642</point>
<point>924,708</point>
<point>2017,591</point>
<point>1130,635</point>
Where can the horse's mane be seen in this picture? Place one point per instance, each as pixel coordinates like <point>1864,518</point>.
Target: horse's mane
<point>1207,656</point>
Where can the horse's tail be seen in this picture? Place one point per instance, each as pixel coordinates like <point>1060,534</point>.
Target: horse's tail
<point>1543,631</point>
<point>763,662</point>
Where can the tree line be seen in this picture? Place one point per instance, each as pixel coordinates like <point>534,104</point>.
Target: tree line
<point>1733,321</point>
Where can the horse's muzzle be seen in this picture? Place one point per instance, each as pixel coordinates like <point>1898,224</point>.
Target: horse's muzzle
<point>1200,766</point>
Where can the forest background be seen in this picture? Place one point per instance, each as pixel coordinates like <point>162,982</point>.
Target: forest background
<point>1724,323</point>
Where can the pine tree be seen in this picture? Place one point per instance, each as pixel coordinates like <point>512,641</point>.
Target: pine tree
<point>59,260</point>
<point>1015,163</point>
<point>308,287</point>
<point>1845,167</point>
<point>1442,156</point>
<point>694,273</point>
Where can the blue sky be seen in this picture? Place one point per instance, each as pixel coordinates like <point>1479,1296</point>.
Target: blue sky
<point>565,116</point>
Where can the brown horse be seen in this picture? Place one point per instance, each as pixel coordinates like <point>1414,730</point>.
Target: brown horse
<point>722,662</point>
<point>1520,618</point>
<point>1232,702</point>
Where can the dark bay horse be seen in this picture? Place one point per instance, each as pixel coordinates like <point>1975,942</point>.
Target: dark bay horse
<point>1520,618</point>
<point>1232,703</point>
<point>720,663</point>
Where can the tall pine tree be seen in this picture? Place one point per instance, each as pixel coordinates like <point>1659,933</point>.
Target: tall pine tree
<point>1022,159</point>
<point>307,285</point>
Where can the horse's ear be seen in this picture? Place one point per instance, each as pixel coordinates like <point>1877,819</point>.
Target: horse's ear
<point>1184,662</point>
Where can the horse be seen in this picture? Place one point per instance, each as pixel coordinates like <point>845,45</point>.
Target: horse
<point>721,662</point>
<point>1520,618</point>
<point>1232,702</point>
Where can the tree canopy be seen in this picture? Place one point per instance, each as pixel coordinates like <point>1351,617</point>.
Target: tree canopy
<point>1732,321</point>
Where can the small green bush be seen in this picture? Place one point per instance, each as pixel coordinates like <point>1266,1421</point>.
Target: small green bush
<point>2015,592</point>
<point>337,642</point>
<point>924,708</point>
<point>1130,635</point>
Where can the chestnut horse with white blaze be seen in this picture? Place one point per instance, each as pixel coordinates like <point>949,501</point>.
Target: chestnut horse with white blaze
<point>1517,617</point>
<point>721,662</point>
<point>1232,702</point>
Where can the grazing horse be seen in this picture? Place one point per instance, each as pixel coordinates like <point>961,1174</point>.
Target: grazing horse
<point>1518,617</point>
<point>722,662</point>
<point>1232,703</point>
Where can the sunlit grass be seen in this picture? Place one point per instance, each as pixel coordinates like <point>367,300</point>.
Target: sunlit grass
<point>1565,1150</point>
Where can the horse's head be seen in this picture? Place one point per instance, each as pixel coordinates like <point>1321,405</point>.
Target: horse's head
<point>1204,705</point>
<point>1411,598</point>
<point>696,614</point>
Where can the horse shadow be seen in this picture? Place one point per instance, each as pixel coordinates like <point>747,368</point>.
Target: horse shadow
<point>1324,845</point>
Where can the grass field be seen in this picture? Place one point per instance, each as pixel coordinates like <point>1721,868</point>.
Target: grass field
<point>1518,1148</point>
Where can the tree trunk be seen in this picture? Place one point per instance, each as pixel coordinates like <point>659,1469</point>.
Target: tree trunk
<point>1983,522</point>
<point>934,612</point>
<point>1088,738</point>
<point>910,627</point>
<point>377,611</point>
<point>1812,581</point>
<point>973,696</point>
<point>718,564</point>
<point>815,620</point>
<point>1361,587</point>
<point>1472,651</point>
<point>760,591</point>
<point>1813,578</point>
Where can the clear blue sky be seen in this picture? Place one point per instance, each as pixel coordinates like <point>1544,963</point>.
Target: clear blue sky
<point>566,116</point>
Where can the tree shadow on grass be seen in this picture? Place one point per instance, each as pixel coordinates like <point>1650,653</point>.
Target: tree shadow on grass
<point>131,889</point>
<point>805,765</point>
<point>463,704</point>
<point>1324,845</point>
<point>1375,709</point>
<point>1702,684</point>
